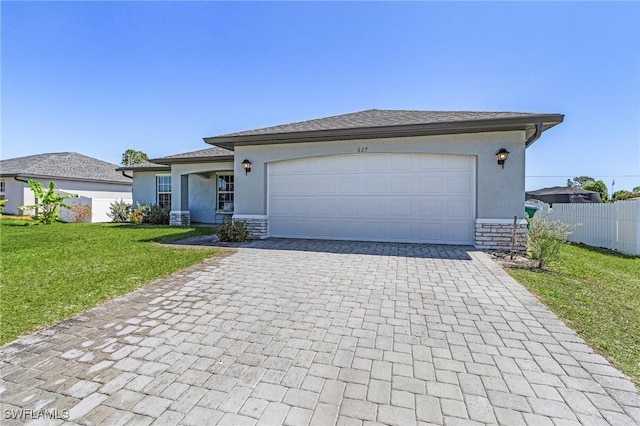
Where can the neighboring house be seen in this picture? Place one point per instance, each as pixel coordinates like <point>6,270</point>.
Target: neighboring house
<point>96,182</point>
<point>564,194</point>
<point>375,175</point>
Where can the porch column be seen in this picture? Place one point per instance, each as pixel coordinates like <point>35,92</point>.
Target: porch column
<point>182,217</point>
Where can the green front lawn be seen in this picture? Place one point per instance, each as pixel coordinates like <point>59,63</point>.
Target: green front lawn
<point>597,293</point>
<point>52,272</point>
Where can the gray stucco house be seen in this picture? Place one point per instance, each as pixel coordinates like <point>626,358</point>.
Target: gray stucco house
<point>375,175</point>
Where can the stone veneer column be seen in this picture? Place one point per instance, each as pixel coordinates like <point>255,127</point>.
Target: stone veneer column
<point>258,225</point>
<point>495,234</point>
<point>180,218</point>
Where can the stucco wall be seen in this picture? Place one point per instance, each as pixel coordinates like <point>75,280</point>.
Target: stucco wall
<point>14,193</point>
<point>144,187</point>
<point>500,192</point>
<point>179,170</point>
<point>202,198</point>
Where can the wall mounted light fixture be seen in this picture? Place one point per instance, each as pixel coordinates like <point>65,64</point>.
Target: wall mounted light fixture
<point>502,156</point>
<point>246,164</point>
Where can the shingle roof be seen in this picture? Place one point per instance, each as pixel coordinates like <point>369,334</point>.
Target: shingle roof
<point>208,154</point>
<point>144,166</point>
<point>375,123</point>
<point>63,165</point>
<point>382,118</point>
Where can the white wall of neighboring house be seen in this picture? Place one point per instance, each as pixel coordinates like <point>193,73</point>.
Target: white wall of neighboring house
<point>97,194</point>
<point>14,194</point>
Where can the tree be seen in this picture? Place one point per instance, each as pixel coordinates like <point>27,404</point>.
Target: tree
<point>48,202</point>
<point>131,156</point>
<point>623,195</point>
<point>580,181</point>
<point>636,190</point>
<point>598,186</point>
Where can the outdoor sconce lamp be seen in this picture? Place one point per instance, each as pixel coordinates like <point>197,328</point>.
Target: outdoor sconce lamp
<point>501,156</point>
<point>246,164</point>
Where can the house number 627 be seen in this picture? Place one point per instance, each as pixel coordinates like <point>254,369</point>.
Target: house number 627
<point>362,149</point>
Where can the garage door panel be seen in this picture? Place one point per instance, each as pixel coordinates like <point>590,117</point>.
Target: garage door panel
<point>459,184</point>
<point>349,184</point>
<point>280,185</point>
<point>401,163</point>
<point>430,184</point>
<point>430,207</point>
<point>401,185</point>
<point>458,208</point>
<point>377,185</point>
<point>375,163</point>
<point>325,185</point>
<point>279,206</point>
<point>402,207</point>
<point>377,197</point>
<point>302,185</point>
<point>375,207</point>
<point>300,227</point>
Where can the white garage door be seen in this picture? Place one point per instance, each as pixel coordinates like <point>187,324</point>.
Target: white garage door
<point>374,197</point>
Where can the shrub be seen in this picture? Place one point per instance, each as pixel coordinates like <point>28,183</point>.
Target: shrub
<point>119,211</point>
<point>136,217</point>
<point>2,203</point>
<point>150,213</point>
<point>234,231</point>
<point>156,215</point>
<point>545,239</point>
<point>81,213</point>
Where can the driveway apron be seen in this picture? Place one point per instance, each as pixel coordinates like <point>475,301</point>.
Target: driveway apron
<point>318,332</point>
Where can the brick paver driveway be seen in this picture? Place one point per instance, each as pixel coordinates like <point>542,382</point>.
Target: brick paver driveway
<point>300,332</point>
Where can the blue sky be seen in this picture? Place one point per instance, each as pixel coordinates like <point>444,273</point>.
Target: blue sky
<point>100,77</point>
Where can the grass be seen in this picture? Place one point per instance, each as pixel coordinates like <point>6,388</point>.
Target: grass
<point>596,292</point>
<point>51,272</point>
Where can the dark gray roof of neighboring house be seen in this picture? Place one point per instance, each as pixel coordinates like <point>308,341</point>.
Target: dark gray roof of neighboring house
<point>146,166</point>
<point>209,154</point>
<point>375,123</point>
<point>563,194</point>
<point>63,165</point>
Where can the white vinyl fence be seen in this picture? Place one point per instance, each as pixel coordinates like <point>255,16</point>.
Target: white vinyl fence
<point>615,226</point>
<point>99,207</point>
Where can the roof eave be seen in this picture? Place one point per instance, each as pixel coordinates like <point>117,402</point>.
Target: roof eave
<point>144,169</point>
<point>188,160</point>
<point>35,176</point>
<point>473,126</point>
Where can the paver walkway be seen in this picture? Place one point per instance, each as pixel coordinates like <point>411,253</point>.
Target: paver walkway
<point>298,332</point>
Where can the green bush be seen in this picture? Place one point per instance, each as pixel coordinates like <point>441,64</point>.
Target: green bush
<point>119,211</point>
<point>136,217</point>
<point>148,213</point>
<point>156,215</point>
<point>545,239</point>
<point>234,231</point>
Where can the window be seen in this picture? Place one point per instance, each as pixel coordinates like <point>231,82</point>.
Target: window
<point>163,189</point>
<point>225,193</point>
<point>2,189</point>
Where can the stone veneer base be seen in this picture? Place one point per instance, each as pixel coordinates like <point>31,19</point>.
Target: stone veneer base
<point>495,234</point>
<point>179,218</point>
<point>258,225</point>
